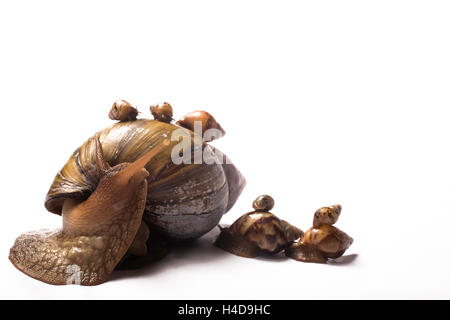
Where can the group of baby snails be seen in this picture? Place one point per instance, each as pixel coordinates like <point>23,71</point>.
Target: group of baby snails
<point>261,232</point>
<point>123,111</point>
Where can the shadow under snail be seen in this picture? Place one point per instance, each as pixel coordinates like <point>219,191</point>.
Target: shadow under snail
<point>120,190</point>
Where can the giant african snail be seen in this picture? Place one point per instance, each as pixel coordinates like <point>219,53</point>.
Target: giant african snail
<point>118,182</point>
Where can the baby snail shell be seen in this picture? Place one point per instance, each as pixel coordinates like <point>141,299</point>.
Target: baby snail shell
<point>327,215</point>
<point>210,128</point>
<point>291,232</point>
<point>323,241</point>
<point>139,245</point>
<point>162,112</point>
<point>263,203</point>
<point>258,232</point>
<point>123,111</point>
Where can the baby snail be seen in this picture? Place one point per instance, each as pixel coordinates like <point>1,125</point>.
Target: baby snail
<point>322,241</point>
<point>123,111</point>
<point>258,232</point>
<point>162,112</point>
<point>204,121</point>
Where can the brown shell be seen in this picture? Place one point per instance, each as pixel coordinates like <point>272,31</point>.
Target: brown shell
<point>327,215</point>
<point>331,241</point>
<point>183,202</point>
<point>207,122</point>
<point>291,232</point>
<point>263,203</point>
<point>263,229</point>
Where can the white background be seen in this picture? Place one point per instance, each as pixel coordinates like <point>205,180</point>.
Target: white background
<point>323,101</point>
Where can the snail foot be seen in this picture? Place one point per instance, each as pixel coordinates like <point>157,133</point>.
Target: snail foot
<point>327,215</point>
<point>237,245</point>
<point>305,253</point>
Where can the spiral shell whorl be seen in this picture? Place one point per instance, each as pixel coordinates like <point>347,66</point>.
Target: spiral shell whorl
<point>183,202</point>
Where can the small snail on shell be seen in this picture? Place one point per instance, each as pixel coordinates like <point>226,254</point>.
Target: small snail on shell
<point>322,241</point>
<point>205,121</point>
<point>123,111</point>
<point>263,203</point>
<point>258,232</point>
<point>162,112</point>
<point>327,215</point>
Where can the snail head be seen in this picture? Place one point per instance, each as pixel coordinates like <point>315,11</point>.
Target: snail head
<point>114,191</point>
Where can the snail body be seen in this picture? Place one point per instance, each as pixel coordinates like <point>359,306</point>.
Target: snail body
<point>329,240</point>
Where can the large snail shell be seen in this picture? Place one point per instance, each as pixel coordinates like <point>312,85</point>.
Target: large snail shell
<point>183,202</point>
